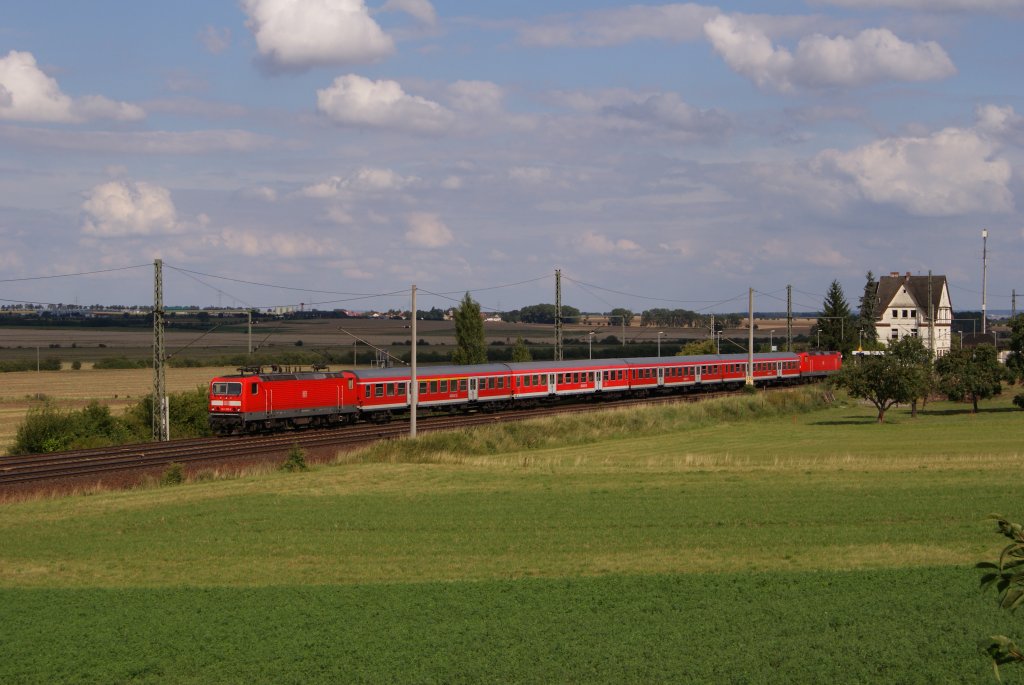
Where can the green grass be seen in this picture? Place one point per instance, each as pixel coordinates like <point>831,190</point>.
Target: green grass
<point>676,547</point>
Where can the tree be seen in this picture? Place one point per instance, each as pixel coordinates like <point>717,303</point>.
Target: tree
<point>698,347</point>
<point>625,316</point>
<point>471,347</point>
<point>866,320</point>
<point>973,373</point>
<point>520,352</point>
<point>1015,363</point>
<point>914,360</point>
<point>879,379</point>
<point>836,325</point>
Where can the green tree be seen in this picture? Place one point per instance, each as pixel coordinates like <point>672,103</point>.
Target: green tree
<point>915,361</point>
<point>1015,363</point>
<point>880,379</point>
<point>622,315</point>
<point>697,347</point>
<point>470,346</point>
<point>520,352</point>
<point>836,325</point>
<point>970,373</point>
<point>866,319</point>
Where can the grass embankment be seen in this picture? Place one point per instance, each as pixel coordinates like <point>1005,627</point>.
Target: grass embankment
<point>802,547</point>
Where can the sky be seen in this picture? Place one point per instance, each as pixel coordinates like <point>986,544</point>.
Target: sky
<point>335,152</point>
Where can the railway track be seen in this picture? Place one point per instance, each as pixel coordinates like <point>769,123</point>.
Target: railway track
<point>130,463</point>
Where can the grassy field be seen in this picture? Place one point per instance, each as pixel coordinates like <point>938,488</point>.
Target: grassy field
<point>693,545</point>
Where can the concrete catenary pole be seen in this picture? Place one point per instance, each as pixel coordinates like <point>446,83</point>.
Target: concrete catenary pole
<point>414,386</point>
<point>789,318</point>
<point>984,278</point>
<point>750,339</point>
<point>558,315</point>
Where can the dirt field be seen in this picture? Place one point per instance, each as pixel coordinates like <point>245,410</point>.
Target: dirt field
<point>116,388</point>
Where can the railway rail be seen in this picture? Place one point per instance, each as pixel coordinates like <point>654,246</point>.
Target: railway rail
<point>129,464</point>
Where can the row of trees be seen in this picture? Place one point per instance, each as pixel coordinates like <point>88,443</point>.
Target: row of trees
<point>906,374</point>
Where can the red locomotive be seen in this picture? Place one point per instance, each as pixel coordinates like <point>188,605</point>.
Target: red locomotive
<point>254,401</point>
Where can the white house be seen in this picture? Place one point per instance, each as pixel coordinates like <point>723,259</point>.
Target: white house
<point>901,309</point>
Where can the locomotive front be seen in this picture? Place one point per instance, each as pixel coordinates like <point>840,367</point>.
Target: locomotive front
<point>225,406</point>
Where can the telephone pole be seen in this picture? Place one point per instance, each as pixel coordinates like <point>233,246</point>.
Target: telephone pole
<point>161,428</point>
<point>558,315</point>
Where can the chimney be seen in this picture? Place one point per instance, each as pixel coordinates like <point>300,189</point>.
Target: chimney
<point>894,274</point>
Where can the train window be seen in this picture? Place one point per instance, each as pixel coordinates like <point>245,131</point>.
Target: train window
<point>227,388</point>
<point>401,389</point>
<point>501,382</point>
<point>378,390</point>
<point>391,389</point>
<point>349,383</point>
<point>423,387</point>
<point>463,385</point>
<point>254,389</point>
<point>444,386</point>
<point>433,386</point>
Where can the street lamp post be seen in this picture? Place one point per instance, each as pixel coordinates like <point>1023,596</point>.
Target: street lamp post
<point>771,340</point>
<point>819,339</point>
<point>590,346</point>
<point>660,333</point>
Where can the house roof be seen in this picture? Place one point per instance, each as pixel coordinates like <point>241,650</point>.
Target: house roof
<point>917,287</point>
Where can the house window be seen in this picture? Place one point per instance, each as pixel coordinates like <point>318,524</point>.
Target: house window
<point>905,314</point>
<point>913,313</point>
<point>895,313</point>
<point>895,334</point>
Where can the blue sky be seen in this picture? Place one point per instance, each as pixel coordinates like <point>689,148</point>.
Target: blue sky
<point>663,154</point>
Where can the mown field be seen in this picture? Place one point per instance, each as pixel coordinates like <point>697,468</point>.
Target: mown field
<point>668,545</point>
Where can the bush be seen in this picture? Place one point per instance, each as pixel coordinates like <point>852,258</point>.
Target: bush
<point>174,475</point>
<point>47,428</point>
<point>76,365</point>
<point>1018,400</point>
<point>120,363</point>
<point>296,460</point>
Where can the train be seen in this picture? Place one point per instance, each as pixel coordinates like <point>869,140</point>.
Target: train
<point>256,401</point>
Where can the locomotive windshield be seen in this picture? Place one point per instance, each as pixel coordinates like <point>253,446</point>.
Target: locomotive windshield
<point>227,388</point>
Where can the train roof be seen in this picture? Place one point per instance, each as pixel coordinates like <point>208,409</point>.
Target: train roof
<point>442,370</point>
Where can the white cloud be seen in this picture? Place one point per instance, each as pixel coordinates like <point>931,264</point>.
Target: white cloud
<point>932,5</point>
<point>623,110</point>
<point>452,183</point>
<point>142,142</point>
<point>256,244</point>
<point>215,40</point>
<point>264,193</point>
<point>28,94</point>
<point>126,208</point>
<point>599,244</point>
<point>422,10</point>
<point>821,62</point>
<point>356,101</point>
<point>299,34</point>
<point>602,28</point>
<point>476,96</point>
<point>530,175</point>
<point>427,230</point>
<point>365,180</point>
<point>951,172</point>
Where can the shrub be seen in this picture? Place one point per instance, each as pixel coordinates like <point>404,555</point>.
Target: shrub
<point>76,365</point>
<point>174,475</point>
<point>296,460</point>
<point>120,363</point>
<point>1018,400</point>
<point>47,428</point>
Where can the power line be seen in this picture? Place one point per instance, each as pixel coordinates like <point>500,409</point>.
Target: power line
<point>283,287</point>
<point>80,273</point>
<point>493,287</point>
